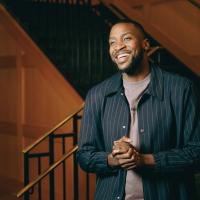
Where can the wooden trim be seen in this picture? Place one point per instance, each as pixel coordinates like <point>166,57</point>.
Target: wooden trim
<point>20,110</point>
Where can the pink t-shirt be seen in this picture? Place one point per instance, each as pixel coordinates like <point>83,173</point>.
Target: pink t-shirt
<point>133,92</point>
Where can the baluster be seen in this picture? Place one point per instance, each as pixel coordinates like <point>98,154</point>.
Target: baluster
<point>64,170</point>
<point>75,141</point>
<point>39,184</point>
<point>51,161</point>
<point>26,174</point>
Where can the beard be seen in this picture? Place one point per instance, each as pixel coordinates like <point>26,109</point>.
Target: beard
<point>134,66</point>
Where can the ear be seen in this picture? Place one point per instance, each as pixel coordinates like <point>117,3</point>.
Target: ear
<point>146,44</point>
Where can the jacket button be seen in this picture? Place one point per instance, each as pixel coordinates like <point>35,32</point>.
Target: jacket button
<point>118,197</point>
<point>123,126</point>
<point>141,130</point>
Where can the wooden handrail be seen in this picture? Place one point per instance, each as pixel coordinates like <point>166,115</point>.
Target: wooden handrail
<point>44,174</point>
<point>31,146</point>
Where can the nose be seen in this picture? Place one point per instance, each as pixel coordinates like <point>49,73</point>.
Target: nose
<point>120,45</point>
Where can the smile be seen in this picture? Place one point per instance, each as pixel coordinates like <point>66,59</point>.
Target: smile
<point>122,57</point>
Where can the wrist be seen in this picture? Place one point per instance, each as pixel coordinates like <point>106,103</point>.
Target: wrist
<point>112,162</point>
<point>146,160</point>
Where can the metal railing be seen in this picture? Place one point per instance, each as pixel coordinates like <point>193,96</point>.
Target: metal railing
<point>44,174</point>
<point>51,136</point>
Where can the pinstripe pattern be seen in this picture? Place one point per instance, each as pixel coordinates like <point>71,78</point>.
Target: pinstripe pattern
<point>169,128</point>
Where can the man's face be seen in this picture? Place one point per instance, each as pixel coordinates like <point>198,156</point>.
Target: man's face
<point>126,47</point>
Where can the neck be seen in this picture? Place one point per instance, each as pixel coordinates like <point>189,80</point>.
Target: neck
<point>141,74</point>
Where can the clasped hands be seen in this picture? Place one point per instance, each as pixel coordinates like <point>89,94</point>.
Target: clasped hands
<point>124,154</point>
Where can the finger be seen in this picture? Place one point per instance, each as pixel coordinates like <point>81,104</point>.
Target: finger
<point>124,162</point>
<point>114,147</point>
<point>131,167</point>
<point>116,152</point>
<point>127,155</point>
<point>117,141</point>
<point>121,145</point>
<point>126,139</point>
<point>122,156</point>
<point>121,148</point>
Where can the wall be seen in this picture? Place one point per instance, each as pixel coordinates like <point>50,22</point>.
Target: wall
<point>34,97</point>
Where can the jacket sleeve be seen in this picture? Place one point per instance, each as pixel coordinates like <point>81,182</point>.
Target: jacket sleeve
<point>91,154</point>
<point>188,156</point>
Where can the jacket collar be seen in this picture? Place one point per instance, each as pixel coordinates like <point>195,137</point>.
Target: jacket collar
<point>155,86</point>
<point>115,84</point>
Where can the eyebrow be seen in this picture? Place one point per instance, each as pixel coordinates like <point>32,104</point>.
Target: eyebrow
<point>129,32</point>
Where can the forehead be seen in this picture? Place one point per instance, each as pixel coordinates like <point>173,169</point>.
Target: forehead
<point>120,29</point>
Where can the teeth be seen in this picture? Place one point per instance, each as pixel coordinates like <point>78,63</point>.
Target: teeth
<point>121,58</point>
<point>122,55</point>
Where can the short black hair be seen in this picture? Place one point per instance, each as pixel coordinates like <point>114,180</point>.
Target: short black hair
<point>135,23</point>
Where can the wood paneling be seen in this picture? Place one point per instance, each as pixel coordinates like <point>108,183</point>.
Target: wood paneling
<point>8,128</point>
<point>8,92</point>
<point>7,61</point>
<point>33,96</point>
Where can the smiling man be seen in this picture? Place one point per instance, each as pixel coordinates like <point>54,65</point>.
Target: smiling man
<point>140,131</point>
<point>127,44</point>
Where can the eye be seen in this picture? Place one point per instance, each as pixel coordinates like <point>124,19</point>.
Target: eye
<point>126,39</point>
<point>111,43</point>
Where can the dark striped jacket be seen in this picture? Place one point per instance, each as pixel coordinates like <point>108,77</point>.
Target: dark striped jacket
<point>169,128</point>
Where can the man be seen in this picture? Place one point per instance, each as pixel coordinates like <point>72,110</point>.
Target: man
<point>140,131</point>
